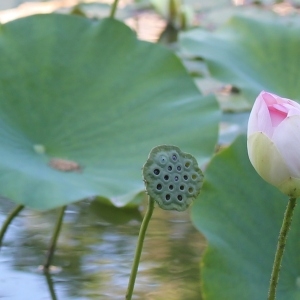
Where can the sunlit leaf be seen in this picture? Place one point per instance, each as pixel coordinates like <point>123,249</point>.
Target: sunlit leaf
<point>81,105</point>
<point>240,215</point>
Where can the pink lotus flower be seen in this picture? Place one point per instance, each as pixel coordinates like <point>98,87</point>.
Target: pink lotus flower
<point>274,141</point>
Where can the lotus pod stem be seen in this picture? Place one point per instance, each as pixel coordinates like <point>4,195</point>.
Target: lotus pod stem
<point>173,180</point>
<point>139,248</point>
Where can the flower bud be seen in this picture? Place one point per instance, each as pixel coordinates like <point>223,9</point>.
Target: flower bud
<point>274,141</point>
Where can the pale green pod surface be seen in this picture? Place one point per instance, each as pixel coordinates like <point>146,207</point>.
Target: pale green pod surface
<point>172,178</point>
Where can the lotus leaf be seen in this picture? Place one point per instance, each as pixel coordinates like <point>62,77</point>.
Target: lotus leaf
<point>241,215</point>
<point>82,103</point>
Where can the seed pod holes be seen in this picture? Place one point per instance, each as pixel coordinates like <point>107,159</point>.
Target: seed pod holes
<point>172,178</point>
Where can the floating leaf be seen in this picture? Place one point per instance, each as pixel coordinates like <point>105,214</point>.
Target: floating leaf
<point>81,105</point>
<point>252,53</point>
<point>240,215</point>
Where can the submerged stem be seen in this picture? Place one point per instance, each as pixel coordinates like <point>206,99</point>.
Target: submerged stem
<point>52,245</point>
<point>286,223</point>
<point>139,248</point>
<point>9,219</point>
<point>113,9</point>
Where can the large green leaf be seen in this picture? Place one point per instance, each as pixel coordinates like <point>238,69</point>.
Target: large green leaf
<point>240,215</point>
<point>81,105</point>
<point>252,53</point>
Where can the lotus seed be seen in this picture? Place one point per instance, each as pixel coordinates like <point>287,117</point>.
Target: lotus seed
<point>170,168</point>
<point>166,177</point>
<point>187,164</point>
<point>191,189</point>
<point>174,157</point>
<point>163,159</point>
<point>185,177</point>
<point>159,186</point>
<point>178,168</point>
<point>171,187</point>
<point>181,187</point>
<point>168,197</point>
<point>179,197</point>
<point>156,171</point>
<point>194,176</point>
<point>176,178</point>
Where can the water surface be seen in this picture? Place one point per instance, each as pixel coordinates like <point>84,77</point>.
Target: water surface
<point>94,254</point>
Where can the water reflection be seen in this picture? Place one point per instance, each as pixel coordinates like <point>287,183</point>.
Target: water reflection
<point>94,255</point>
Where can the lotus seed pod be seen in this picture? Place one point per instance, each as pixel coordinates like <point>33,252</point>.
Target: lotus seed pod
<point>172,177</point>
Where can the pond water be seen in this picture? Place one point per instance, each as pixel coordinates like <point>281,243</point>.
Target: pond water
<point>95,252</point>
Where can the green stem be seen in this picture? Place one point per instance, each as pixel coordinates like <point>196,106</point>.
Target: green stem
<point>54,239</point>
<point>139,248</point>
<point>113,9</point>
<point>9,219</point>
<point>50,285</point>
<point>286,223</point>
